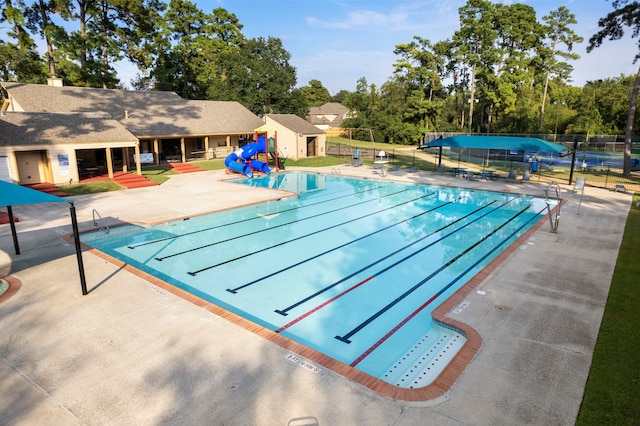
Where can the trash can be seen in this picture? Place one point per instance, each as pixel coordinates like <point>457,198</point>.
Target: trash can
<point>534,166</point>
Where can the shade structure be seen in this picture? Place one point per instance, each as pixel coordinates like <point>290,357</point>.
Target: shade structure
<point>511,143</point>
<point>12,195</point>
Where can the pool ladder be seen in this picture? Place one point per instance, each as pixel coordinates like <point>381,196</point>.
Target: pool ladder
<point>554,219</point>
<point>99,222</point>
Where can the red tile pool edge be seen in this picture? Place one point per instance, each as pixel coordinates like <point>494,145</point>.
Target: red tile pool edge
<point>14,286</point>
<point>439,387</point>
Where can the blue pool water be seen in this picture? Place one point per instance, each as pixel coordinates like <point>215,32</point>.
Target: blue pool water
<point>350,267</point>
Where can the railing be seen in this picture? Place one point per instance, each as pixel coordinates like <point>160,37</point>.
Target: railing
<point>554,219</point>
<point>100,223</point>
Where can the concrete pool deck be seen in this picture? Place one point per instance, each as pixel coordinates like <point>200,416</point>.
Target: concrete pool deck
<point>132,353</point>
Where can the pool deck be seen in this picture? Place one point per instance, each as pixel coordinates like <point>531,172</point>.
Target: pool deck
<point>132,353</point>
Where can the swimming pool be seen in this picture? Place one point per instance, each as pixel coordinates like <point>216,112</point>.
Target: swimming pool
<point>351,268</point>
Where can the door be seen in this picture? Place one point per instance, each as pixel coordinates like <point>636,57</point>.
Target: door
<point>311,146</point>
<point>30,169</point>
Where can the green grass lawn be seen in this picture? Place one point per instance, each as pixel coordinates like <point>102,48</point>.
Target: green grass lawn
<point>612,395</point>
<point>90,188</point>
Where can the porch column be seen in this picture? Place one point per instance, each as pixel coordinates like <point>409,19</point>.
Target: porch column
<point>109,163</point>
<point>138,167</point>
<point>184,156</point>
<point>156,152</point>
<point>228,144</point>
<point>206,148</point>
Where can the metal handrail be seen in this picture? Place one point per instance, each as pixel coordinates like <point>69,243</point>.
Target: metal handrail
<point>554,221</point>
<point>101,224</point>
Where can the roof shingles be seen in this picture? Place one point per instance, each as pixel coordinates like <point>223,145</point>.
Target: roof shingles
<point>145,114</point>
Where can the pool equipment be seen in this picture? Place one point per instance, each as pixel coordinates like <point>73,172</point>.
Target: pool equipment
<point>240,160</point>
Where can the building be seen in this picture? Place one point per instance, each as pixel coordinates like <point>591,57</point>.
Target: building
<point>328,116</point>
<point>297,138</point>
<point>68,133</point>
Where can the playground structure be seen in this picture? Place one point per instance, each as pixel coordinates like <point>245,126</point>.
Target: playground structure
<point>242,160</point>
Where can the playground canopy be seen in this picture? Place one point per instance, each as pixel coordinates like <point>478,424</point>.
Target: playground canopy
<point>510,143</point>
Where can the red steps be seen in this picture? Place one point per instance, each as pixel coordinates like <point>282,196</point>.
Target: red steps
<point>132,180</point>
<point>48,188</point>
<point>184,168</point>
<point>4,218</point>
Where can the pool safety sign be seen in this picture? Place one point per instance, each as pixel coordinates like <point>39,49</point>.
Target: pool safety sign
<point>302,363</point>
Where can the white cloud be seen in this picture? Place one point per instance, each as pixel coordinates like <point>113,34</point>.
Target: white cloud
<point>359,18</point>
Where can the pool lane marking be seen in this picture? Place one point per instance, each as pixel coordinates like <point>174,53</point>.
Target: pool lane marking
<point>345,338</point>
<point>193,273</point>
<point>428,302</point>
<point>348,290</point>
<point>271,228</point>
<point>316,256</point>
<point>285,311</point>
<point>173,237</point>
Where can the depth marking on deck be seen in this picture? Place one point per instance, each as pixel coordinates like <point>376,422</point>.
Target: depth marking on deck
<point>302,363</point>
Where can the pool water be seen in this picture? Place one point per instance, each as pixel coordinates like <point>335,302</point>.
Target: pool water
<point>350,267</point>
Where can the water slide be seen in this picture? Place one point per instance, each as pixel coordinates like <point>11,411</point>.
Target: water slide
<point>238,161</point>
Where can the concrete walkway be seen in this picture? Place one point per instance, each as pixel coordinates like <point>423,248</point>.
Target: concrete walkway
<point>131,353</point>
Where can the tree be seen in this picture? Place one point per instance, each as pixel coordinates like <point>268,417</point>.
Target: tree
<point>39,20</point>
<point>626,14</point>
<point>339,97</point>
<point>261,77</point>
<point>419,70</point>
<point>518,37</point>
<point>19,61</point>
<point>193,51</point>
<point>558,32</point>
<point>475,42</point>
<point>315,93</point>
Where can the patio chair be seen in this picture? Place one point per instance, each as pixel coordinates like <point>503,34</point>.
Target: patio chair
<point>579,184</point>
<point>526,176</point>
<point>471,175</point>
<point>620,188</point>
<point>512,176</point>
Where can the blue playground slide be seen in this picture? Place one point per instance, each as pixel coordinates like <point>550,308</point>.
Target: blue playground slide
<point>244,154</point>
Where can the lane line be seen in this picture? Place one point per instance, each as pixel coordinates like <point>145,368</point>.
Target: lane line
<point>428,302</point>
<point>345,338</point>
<point>193,273</point>
<point>331,300</point>
<point>133,246</point>
<point>253,233</point>
<point>316,256</point>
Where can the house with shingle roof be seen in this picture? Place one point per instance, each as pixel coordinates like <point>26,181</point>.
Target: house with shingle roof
<point>328,116</point>
<point>154,127</point>
<point>40,147</point>
<point>297,138</point>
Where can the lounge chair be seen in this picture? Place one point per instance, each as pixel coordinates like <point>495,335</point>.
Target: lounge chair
<point>579,184</point>
<point>395,168</point>
<point>359,162</point>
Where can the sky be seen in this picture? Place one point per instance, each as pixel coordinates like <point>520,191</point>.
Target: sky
<point>339,41</point>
